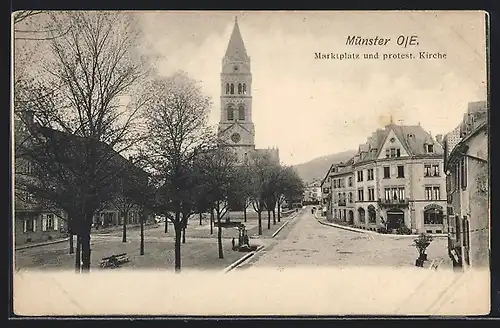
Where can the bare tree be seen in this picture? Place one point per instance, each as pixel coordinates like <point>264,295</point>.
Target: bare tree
<point>81,112</point>
<point>177,128</point>
<point>216,175</point>
<point>259,187</point>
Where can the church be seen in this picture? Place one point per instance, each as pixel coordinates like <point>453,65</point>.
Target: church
<point>236,128</point>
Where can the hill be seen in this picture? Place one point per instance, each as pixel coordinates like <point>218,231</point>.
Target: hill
<point>317,168</point>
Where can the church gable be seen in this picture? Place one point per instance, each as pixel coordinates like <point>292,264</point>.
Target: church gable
<point>392,147</point>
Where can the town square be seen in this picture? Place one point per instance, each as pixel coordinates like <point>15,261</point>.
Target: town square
<point>131,156</point>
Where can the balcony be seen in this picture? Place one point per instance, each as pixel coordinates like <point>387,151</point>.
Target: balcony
<point>398,203</point>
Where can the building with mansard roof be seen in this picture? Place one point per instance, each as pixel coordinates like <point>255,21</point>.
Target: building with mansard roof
<point>395,182</point>
<point>236,128</point>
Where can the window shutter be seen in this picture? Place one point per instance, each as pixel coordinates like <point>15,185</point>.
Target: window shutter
<point>44,222</point>
<point>25,223</point>
<point>34,224</point>
<point>56,223</point>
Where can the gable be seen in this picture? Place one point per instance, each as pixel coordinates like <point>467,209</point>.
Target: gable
<point>245,135</point>
<point>392,141</point>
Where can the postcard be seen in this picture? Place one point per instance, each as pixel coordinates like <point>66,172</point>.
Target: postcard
<point>250,163</point>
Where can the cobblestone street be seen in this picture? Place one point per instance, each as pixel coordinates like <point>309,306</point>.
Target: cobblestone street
<point>309,243</point>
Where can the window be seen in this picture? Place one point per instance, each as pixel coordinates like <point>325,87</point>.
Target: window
<point>430,148</point>
<point>241,113</point>
<point>48,223</point>
<point>431,170</point>
<point>457,227</point>
<point>370,174</point>
<point>433,216</point>
<point>387,172</point>
<point>350,181</point>
<point>372,217</point>
<point>240,89</point>
<point>401,171</point>
<point>392,152</point>
<point>394,193</point>
<point>432,193</point>
<point>335,213</point>
<point>350,197</point>
<point>227,88</point>
<point>360,195</point>
<point>230,113</point>
<point>463,173</point>
<point>371,194</point>
<point>29,225</point>
<point>244,88</point>
<point>360,176</point>
<point>232,89</point>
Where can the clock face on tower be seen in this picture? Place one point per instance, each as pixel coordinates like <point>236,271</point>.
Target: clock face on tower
<point>235,137</point>
<point>235,68</point>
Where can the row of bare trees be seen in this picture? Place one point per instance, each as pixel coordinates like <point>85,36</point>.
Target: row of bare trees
<point>92,99</point>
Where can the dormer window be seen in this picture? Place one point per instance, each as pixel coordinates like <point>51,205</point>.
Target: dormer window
<point>430,148</point>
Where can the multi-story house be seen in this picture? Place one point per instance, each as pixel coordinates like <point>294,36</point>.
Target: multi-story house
<point>399,181</point>
<point>35,221</point>
<point>312,193</point>
<point>343,192</point>
<point>467,189</point>
<point>396,181</point>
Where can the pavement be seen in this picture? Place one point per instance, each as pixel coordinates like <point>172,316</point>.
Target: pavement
<point>309,243</point>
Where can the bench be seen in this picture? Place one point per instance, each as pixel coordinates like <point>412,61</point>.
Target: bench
<point>114,261</point>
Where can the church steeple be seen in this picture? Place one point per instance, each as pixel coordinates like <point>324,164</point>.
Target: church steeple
<point>236,48</point>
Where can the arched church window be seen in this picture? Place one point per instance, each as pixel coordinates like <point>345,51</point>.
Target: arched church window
<point>227,88</point>
<point>241,113</point>
<point>230,113</point>
<point>244,88</point>
<point>239,89</point>
<point>232,89</point>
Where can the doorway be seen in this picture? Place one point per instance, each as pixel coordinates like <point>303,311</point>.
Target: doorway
<point>395,219</point>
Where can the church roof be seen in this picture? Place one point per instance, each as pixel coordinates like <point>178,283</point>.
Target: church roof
<point>236,48</point>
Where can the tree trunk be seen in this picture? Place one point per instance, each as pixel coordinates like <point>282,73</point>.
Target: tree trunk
<point>219,236</point>
<point>274,216</point>
<point>71,242</point>
<point>85,241</point>
<point>166,224</point>
<point>245,213</point>
<point>142,236</point>
<point>184,235</point>
<point>124,235</point>
<point>178,231</point>
<point>259,214</point>
<point>268,219</point>
<point>279,213</point>
<point>211,221</point>
<point>201,218</point>
<point>78,255</point>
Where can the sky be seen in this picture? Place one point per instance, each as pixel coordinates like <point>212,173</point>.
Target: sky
<point>308,107</point>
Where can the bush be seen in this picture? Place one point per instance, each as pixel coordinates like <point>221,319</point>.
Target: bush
<point>49,237</point>
<point>404,230</point>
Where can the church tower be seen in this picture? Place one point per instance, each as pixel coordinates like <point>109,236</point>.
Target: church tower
<point>236,128</point>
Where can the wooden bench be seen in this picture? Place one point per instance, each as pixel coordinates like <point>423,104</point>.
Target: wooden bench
<point>114,261</point>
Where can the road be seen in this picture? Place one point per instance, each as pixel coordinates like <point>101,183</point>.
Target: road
<point>309,243</point>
